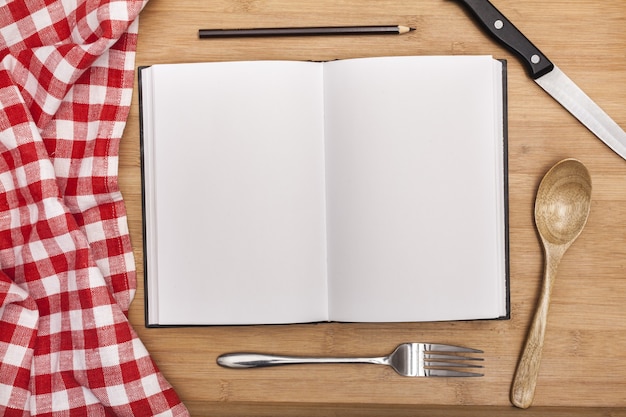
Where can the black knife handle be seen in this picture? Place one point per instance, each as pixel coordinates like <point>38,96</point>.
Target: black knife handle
<point>500,28</point>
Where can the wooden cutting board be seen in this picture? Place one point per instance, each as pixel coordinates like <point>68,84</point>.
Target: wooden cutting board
<point>584,360</point>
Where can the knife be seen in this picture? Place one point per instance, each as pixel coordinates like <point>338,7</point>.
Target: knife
<point>549,76</point>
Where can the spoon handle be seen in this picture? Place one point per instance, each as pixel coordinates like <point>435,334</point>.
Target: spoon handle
<point>525,380</point>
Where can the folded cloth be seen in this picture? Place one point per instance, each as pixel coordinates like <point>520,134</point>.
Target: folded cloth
<point>67,272</point>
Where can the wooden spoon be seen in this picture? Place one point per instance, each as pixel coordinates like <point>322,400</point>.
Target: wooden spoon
<point>561,210</point>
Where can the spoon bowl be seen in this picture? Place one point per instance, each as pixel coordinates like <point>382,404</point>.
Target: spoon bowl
<point>563,202</point>
<point>561,210</point>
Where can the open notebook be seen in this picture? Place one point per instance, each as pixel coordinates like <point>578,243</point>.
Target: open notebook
<point>359,190</point>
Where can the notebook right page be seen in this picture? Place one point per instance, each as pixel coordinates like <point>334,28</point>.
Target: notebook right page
<point>415,196</point>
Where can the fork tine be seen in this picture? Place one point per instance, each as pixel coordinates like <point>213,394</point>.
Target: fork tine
<point>452,357</point>
<point>429,364</point>
<point>438,347</point>
<point>448,372</point>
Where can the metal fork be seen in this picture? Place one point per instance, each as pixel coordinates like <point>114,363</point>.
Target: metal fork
<point>408,359</point>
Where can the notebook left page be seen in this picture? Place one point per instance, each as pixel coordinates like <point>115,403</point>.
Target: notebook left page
<point>234,188</point>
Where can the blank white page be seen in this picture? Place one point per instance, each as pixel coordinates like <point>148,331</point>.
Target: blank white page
<point>414,195</point>
<point>239,174</point>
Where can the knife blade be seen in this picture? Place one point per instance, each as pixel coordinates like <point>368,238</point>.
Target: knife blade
<point>548,75</point>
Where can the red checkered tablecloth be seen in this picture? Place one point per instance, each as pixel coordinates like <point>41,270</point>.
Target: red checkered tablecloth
<point>66,267</point>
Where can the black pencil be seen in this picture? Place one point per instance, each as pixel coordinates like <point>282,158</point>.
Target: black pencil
<point>304,31</point>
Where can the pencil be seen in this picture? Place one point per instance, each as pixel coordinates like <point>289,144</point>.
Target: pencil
<point>304,31</point>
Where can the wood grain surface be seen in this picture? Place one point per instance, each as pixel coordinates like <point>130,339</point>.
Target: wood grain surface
<point>583,370</point>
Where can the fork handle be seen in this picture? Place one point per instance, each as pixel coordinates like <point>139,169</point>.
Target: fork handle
<point>259,360</point>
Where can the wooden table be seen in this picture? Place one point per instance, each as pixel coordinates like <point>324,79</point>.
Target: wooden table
<point>584,362</point>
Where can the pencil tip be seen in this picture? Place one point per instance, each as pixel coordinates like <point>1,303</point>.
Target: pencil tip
<point>411,29</point>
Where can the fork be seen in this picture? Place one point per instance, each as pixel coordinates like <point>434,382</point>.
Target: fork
<point>408,359</point>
